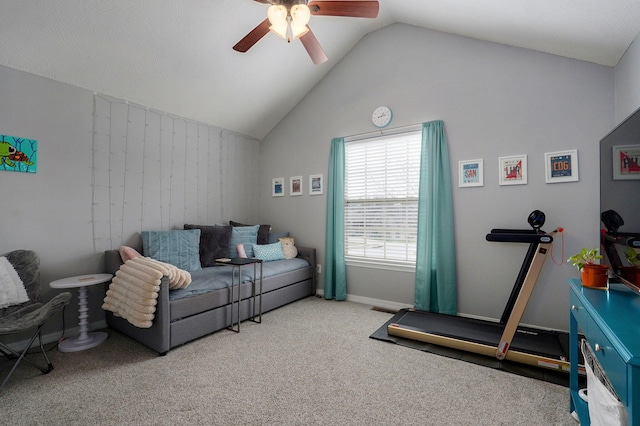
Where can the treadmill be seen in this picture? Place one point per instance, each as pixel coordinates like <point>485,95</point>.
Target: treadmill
<point>506,339</point>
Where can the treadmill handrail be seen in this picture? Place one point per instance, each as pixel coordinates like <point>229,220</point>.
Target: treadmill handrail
<point>506,236</point>
<point>542,250</point>
<point>513,231</point>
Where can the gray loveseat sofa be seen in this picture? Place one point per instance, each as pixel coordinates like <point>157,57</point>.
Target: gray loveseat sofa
<point>204,307</point>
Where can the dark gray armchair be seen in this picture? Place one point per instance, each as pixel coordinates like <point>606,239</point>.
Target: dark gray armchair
<point>31,315</point>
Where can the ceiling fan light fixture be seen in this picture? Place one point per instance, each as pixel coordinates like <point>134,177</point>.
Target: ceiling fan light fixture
<point>289,19</point>
<point>300,16</point>
<point>277,15</point>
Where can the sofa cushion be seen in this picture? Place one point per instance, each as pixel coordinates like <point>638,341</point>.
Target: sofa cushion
<point>179,248</point>
<point>274,237</point>
<point>263,231</point>
<point>246,235</point>
<point>268,252</point>
<point>214,242</point>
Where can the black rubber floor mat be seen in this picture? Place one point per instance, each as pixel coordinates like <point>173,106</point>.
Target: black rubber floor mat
<point>556,377</point>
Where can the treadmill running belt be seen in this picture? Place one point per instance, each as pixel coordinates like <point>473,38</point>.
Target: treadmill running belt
<point>528,340</point>
<point>557,377</point>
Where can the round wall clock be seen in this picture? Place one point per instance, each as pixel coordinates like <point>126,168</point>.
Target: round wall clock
<point>381,116</point>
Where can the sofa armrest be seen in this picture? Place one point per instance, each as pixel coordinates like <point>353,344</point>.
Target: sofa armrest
<point>157,337</point>
<point>309,254</point>
<point>112,261</point>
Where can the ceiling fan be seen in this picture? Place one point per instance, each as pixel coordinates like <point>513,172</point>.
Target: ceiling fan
<point>289,18</point>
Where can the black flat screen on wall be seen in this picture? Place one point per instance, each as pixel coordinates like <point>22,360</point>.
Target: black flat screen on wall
<point>620,195</point>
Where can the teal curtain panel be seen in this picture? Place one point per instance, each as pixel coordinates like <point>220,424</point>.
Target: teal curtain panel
<point>335,278</point>
<point>435,288</point>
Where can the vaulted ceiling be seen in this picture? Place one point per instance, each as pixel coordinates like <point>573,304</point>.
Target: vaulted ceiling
<point>176,55</point>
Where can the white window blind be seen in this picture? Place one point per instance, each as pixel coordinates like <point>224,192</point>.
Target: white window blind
<point>381,198</point>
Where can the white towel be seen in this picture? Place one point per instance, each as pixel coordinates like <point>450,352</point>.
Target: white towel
<point>12,291</point>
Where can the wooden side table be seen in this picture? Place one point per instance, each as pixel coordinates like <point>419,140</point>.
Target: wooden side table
<point>84,340</point>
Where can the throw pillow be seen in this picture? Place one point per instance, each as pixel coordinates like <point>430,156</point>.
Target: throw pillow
<point>241,252</point>
<point>214,242</point>
<point>288,247</point>
<point>128,253</point>
<point>178,248</point>
<point>268,252</point>
<point>247,235</point>
<point>263,231</point>
<point>274,237</point>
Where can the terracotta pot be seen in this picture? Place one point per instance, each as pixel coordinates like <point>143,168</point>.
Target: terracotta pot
<point>595,276</point>
<point>631,274</point>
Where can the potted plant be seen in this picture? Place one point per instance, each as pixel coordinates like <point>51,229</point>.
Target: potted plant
<point>592,274</point>
<point>631,273</point>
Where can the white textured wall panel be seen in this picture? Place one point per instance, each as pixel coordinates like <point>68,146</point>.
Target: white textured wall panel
<point>117,152</point>
<point>152,172</point>
<point>178,172</point>
<point>214,168</point>
<point>166,149</point>
<point>155,171</point>
<point>133,160</point>
<point>190,171</point>
<point>100,208</point>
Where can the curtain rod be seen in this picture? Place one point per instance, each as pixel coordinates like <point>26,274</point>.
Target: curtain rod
<point>385,132</point>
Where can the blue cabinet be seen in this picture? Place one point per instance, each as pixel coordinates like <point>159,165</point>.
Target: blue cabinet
<point>610,321</point>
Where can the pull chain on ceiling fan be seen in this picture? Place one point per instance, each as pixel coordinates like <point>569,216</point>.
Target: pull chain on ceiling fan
<point>289,18</point>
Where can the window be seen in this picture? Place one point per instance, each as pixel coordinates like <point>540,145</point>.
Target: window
<point>381,199</point>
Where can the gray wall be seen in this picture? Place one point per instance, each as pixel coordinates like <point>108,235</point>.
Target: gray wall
<point>93,191</point>
<point>495,100</point>
<point>628,82</point>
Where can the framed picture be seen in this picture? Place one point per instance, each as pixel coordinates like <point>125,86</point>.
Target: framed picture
<point>18,154</point>
<point>561,166</point>
<point>513,170</point>
<point>277,187</point>
<point>295,185</point>
<point>471,173</point>
<point>626,162</point>
<point>316,185</point>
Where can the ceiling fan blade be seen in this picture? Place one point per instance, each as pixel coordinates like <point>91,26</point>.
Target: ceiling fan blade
<point>353,8</point>
<point>253,37</point>
<point>311,43</point>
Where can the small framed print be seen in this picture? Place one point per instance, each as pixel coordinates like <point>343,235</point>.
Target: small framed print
<point>513,170</point>
<point>626,162</point>
<point>471,173</point>
<point>316,185</point>
<point>561,166</point>
<point>277,187</point>
<point>19,154</point>
<point>295,185</point>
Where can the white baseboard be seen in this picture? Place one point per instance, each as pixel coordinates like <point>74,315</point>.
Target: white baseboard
<point>386,304</point>
<point>55,336</point>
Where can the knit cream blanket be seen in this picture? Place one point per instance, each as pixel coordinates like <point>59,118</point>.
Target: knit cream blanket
<point>133,292</point>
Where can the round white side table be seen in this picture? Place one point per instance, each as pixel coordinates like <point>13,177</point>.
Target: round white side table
<point>85,340</point>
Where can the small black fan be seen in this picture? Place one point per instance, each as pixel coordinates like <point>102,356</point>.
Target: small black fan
<point>536,219</point>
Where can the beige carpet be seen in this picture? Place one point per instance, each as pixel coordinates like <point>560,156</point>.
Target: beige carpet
<point>311,362</point>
